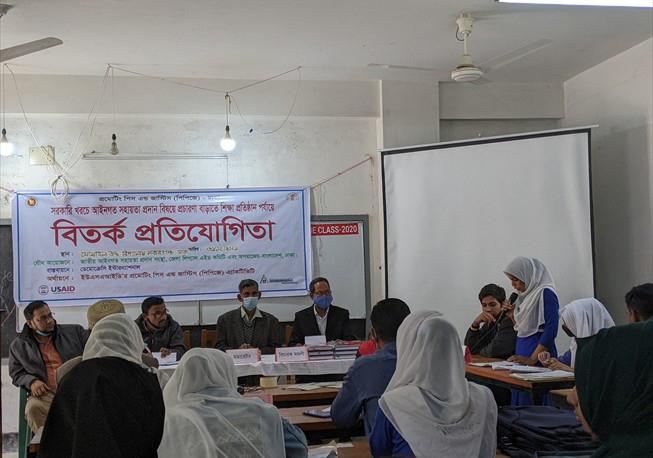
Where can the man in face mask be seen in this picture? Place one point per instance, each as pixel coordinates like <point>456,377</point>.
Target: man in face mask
<point>247,326</point>
<point>35,355</point>
<point>160,332</point>
<point>321,318</point>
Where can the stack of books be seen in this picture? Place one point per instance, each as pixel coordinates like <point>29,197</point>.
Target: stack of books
<point>346,350</point>
<point>320,352</point>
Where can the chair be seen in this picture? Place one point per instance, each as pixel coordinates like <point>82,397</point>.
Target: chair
<point>288,333</point>
<point>187,339</point>
<point>209,338</point>
<point>24,432</point>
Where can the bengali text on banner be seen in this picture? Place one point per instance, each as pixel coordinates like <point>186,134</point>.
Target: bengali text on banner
<point>184,245</point>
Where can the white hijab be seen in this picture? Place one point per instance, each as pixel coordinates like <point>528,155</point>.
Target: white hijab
<point>118,336</point>
<point>529,314</point>
<point>206,417</point>
<point>584,318</point>
<point>428,399</point>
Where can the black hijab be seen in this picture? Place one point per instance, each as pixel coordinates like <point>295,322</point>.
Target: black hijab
<point>105,407</point>
<point>614,381</point>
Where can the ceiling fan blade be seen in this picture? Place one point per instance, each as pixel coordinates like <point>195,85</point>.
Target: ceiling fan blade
<point>406,67</point>
<point>512,56</point>
<point>28,48</point>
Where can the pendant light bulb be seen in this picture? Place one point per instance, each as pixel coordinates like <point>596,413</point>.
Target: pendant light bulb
<point>6,148</point>
<point>227,143</point>
<point>114,146</point>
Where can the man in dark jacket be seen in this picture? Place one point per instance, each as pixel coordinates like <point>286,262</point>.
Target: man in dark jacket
<point>321,318</point>
<point>485,336</point>
<point>160,332</point>
<point>248,326</point>
<point>35,355</point>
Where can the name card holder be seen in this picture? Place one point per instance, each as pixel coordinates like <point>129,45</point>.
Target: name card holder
<point>245,355</point>
<point>291,354</point>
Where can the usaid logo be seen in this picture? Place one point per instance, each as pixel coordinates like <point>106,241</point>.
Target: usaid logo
<point>43,290</point>
<point>62,289</point>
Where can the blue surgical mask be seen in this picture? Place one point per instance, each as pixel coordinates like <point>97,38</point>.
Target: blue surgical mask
<point>44,334</point>
<point>250,302</point>
<point>323,302</point>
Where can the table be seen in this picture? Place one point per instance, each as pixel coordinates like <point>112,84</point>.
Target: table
<point>268,367</point>
<point>283,397</point>
<point>305,422</point>
<point>500,378</point>
<point>360,449</point>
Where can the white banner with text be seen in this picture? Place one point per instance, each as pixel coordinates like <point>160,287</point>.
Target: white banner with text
<point>183,245</point>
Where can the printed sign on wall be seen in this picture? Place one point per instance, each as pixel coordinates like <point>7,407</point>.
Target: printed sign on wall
<point>184,245</point>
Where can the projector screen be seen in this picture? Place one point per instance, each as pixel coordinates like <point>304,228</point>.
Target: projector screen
<point>457,213</point>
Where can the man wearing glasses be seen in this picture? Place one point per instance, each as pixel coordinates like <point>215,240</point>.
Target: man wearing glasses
<point>321,318</point>
<point>35,355</point>
<point>160,332</point>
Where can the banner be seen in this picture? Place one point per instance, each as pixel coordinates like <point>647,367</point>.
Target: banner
<point>183,245</point>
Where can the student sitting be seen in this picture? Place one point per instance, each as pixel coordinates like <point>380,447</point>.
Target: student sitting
<point>110,404</point>
<point>429,409</point>
<point>368,377</point>
<point>206,417</point>
<point>613,397</point>
<point>581,318</point>
<point>160,332</point>
<point>94,314</point>
<point>486,336</point>
<point>639,302</point>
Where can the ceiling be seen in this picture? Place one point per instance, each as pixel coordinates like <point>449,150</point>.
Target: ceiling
<point>330,39</point>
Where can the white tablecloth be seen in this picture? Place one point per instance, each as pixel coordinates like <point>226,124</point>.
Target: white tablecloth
<point>268,367</point>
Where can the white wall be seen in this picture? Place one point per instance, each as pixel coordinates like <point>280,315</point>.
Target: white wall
<point>618,96</point>
<point>332,128</point>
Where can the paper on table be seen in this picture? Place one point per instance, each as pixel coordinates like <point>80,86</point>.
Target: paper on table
<point>303,386</point>
<point>167,360</point>
<point>544,375</point>
<point>519,368</point>
<point>314,340</point>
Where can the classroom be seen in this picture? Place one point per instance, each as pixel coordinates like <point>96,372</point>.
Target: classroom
<point>322,99</point>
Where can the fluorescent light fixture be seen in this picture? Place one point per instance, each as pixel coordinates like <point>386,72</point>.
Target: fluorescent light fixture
<point>628,3</point>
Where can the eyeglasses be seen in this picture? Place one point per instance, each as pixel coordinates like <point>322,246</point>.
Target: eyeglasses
<point>322,293</point>
<point>158,314</point>
<point>46,318</point>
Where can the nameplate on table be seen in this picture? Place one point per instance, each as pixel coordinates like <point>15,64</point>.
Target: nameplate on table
<point>291,354</point>
<point>244,355</point>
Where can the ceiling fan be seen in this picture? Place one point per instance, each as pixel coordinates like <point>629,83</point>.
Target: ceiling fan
<point>466,71</point>
<point>25,48</point>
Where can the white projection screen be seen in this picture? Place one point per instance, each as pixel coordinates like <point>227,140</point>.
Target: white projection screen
<point>457,213</point>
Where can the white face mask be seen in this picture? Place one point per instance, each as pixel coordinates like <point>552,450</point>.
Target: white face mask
<point>250,302</point>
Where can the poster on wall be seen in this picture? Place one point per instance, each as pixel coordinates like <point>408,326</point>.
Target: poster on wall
<point>184,245</point>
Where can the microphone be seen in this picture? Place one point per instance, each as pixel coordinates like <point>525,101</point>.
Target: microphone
<point>512,299</point>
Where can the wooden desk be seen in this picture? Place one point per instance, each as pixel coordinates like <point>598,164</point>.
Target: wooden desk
<point>360,449</point>
<point>305,422</point>
<point>559,398</point>
<point>283,397</point>
<point>488,376</point>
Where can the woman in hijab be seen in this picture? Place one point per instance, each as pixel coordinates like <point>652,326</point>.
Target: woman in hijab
<point>613,397</point>
<point>206,417</point>
<point>429,409</point>
<point>110,404</point>
<point>535,315</point>
<point>581,318</point>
